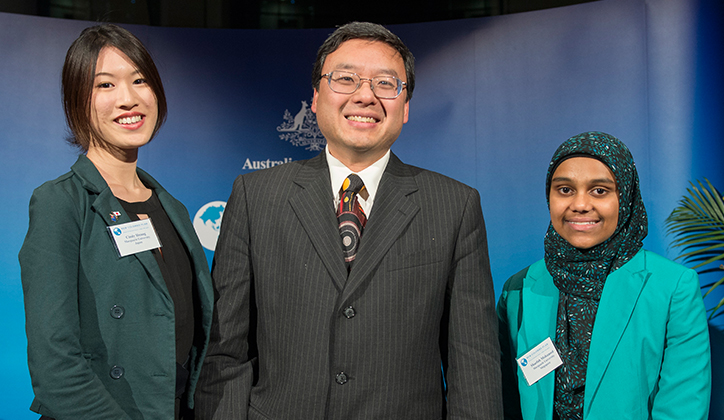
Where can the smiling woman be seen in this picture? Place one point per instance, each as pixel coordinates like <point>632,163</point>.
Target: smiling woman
<point>83,65</point>
<point>583,202</point>
<point>124,109</point>
<point>624,320</point>
<point>124,269</point>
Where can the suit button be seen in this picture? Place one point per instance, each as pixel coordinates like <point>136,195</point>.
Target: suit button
<point>349,312</point>
<point>117,312</point>
<point>341,378</point>
<point>117,372</point>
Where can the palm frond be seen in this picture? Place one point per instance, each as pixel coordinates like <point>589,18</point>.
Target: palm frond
<point>697,225</point>
<point>714,286</point>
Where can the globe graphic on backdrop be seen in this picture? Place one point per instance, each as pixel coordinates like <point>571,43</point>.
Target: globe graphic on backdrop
<point>207,223</point>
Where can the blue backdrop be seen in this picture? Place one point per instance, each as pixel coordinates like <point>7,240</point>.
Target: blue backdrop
<point>494,98</point>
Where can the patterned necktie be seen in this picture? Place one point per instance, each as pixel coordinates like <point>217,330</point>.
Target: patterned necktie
<point>351,217</point>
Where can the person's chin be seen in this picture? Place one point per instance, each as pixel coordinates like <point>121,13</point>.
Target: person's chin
<point>581,240</point>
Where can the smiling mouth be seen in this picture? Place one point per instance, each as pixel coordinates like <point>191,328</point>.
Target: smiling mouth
<point>130,120</point>
<point>582,223</point>
<point>357,118</point>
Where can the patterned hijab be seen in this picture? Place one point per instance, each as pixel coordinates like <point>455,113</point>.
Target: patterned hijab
<point>579,274</point>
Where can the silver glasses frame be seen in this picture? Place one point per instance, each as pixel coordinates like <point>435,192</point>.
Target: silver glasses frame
<point>400,84</point>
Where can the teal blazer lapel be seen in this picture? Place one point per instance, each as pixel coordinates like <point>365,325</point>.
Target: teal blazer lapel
<point>620,295</point>
<point>105,204</point>
<point>313,206</point>
<point>179,217</point>
<point>540,298</point>
<point>392,213</point>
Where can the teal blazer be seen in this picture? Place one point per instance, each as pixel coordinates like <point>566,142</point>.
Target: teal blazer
<point>101,332</point>
<point>649,356</point>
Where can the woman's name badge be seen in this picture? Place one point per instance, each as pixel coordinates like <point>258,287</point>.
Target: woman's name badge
<point>133,237</point>
<point>540,361</point>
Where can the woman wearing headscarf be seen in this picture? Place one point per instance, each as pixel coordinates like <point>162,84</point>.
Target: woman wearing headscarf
<point>628,325</point>
<point>117,290</point>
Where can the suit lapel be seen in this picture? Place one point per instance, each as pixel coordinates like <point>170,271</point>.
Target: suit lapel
<point>620,295</point>
<point>541,298</point>
<point>313,205</point>
<point>392,213</point>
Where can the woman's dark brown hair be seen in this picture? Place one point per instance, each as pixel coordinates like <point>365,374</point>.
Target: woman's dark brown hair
<point>79,73</point>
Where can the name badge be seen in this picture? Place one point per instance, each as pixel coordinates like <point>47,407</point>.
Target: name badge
<point>540,361</point>
<point>133,237</point>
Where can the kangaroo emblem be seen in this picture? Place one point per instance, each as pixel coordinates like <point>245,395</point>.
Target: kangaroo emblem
<point>299,118</point>
<point>301,129</point>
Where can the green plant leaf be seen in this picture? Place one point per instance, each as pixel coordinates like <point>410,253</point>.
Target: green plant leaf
<point>697,224</point>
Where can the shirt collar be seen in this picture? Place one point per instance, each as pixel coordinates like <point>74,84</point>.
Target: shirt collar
<point>371,176</point>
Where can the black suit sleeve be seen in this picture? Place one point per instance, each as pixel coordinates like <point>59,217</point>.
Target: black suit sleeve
<point>473,354</point>
<point>227,375</point>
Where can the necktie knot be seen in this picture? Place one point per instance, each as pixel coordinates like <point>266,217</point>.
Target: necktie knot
<point>353,183</point>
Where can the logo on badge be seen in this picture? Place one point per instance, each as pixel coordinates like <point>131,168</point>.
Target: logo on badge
<point>301,129</point>
<point>524,362</point>
<point>207,223</point>
<point>117,231</point>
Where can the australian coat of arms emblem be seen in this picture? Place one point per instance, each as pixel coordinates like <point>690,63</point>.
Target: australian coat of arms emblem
<point>301,129</point>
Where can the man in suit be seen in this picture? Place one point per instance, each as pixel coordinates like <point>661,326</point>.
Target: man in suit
<point>313,325</point>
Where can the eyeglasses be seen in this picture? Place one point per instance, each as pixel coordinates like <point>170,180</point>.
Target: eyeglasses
<point>384,87</point>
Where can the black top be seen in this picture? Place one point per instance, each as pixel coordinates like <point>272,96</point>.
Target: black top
<point>175,263</point>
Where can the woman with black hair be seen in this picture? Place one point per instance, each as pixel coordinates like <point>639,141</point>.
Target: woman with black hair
<point>118,296</point>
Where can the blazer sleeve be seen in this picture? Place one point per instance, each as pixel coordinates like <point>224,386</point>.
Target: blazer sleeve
<point>64,384</point>
<point>508,326</point>
<point>684,386</point>
<point>226,378</point>
<point>473,352</point>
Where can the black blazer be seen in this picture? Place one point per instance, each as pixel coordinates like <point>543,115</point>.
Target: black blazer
<point>296,337</point>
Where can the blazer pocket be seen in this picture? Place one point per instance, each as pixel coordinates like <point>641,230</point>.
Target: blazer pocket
<point>413,260</point>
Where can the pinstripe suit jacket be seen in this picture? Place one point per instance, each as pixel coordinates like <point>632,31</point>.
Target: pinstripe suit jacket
<point>296,337</point>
